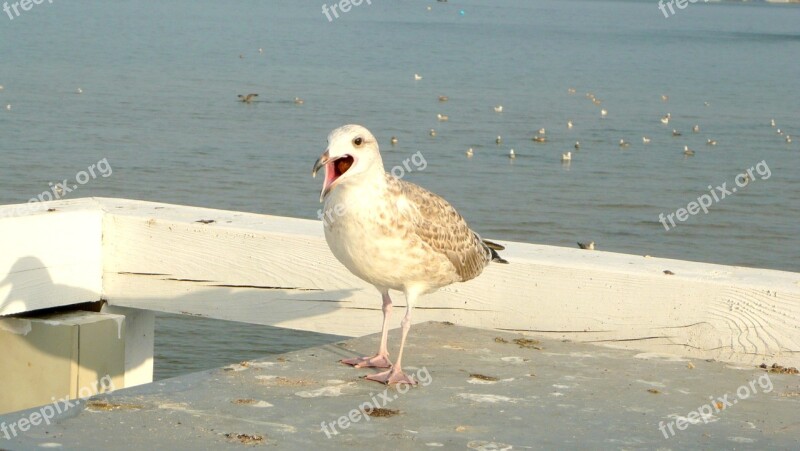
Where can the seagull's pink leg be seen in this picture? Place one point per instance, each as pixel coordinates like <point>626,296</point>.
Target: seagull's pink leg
<point>396,375</point>
<point>381,359</point>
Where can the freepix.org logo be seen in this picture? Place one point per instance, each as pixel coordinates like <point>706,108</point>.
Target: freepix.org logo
<point>343,6</point>
<point>46,413</point>
<point>681,4</point>
<point>24,5</point>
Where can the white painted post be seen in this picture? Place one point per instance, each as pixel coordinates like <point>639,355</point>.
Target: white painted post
<point>139,341</point>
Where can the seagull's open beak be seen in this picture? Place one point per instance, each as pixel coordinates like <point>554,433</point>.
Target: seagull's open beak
<point>321,161</point>
<point>326,161</point>
<point>335,167</point>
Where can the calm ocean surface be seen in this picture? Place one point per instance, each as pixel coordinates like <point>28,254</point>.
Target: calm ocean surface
<point>160,81</point>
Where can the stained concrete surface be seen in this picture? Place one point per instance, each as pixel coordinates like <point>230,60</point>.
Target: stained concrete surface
<point>478,389</point>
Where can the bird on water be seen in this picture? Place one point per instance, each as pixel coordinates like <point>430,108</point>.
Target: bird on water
<point>247,98</point>
<point>394,235</point>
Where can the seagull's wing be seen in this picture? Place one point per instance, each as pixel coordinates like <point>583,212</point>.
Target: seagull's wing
<point>437,224</point>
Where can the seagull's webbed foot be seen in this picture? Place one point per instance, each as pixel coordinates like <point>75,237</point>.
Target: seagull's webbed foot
<point>392,376</point>
<point>376,361</point>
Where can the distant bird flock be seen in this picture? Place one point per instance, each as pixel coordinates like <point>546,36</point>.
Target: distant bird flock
<point>539,137</point>
<point>567,156</point>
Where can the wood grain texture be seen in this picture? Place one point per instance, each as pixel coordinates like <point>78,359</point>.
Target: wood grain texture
<point>278,271</point>
<point>49,259</point>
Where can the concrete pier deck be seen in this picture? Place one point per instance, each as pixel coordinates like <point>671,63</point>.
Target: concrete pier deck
<point>479,389</point>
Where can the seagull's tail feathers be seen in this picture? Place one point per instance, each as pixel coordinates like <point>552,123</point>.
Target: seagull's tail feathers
<point>492,245</point>
<point>493,248</point>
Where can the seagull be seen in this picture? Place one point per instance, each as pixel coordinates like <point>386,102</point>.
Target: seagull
<point>603,113</point>
<point>696,129</point>
<point>511,154</point>
<point>393,140</point>
<point>570,90</point>
<point>577,145</point>
<point>569,124</point>
<point>596,102</point>
<point>417,77</point>
<point>665,119</point>
<point>664,97</point>
<point>260,50</point>
<point>687,151</point>
<point>646,140</point>
<point>566,157</point>
<point>469,152</point>
<point>706,104</point>
<point>395,235</point>
<point>675,132</point>
<point>589,246</point>
<point>247,98</point>
<point>542,131</point>
<point>499,140</point>
<point>79,91</point>
<point>443,98</point>
<point>778,131</point>
<point>498,109</point>
<point>788,139</point>
<point>540,138</point>
<point>8,107</point>
<point>772,122</point>
<point>432,132</point>
<point>623,143</point>
<point>711,142</point>
<point>2,88</point>
<point>442,117</point>
<point>299,101</point>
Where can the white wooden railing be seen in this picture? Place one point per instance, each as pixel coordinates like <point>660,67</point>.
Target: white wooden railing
<point>278,271</point>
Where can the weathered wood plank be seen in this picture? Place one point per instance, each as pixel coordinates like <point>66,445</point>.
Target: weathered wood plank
<point>703,310</point>
<point>278,271</point>
<point>49,259</point>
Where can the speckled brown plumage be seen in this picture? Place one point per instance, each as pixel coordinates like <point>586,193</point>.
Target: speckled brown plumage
<point>439,226</point>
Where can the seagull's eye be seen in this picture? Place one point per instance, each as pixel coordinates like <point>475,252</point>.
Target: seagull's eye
<point>358,141</point>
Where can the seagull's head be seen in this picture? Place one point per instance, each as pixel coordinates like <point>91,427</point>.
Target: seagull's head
<point>352,151</point>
